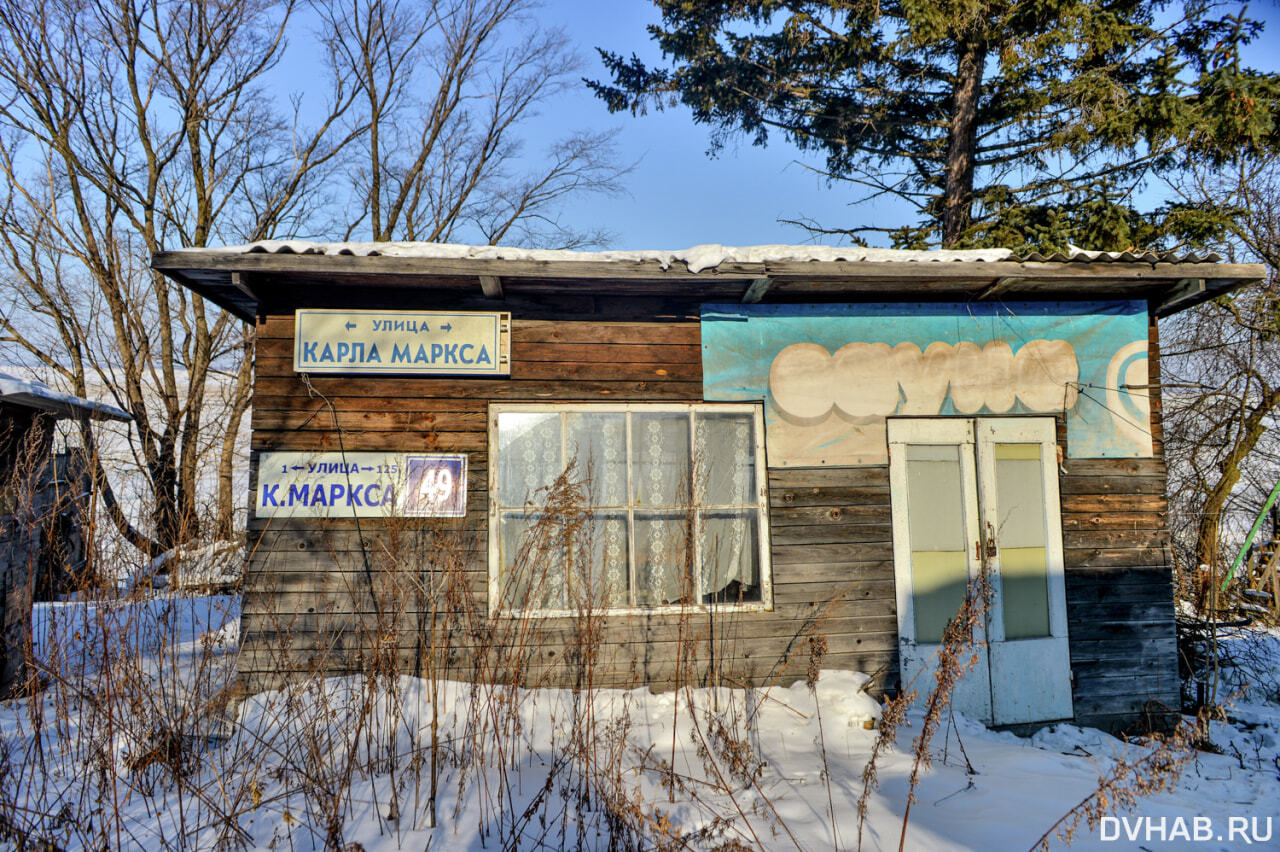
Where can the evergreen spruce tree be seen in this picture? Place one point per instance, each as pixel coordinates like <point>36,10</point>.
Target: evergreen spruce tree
<point>1020,123</point>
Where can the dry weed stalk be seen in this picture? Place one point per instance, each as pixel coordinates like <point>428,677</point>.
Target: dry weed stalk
<point>136,708</point>
<point>1120,788</point>
<point>956,656</point>
<point>817,650</point>
<point>892,713</point>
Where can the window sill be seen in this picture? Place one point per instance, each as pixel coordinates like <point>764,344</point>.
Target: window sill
<point>673,609</point>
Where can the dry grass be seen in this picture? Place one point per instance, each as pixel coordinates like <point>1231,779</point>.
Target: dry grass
<point>1120,788</point>
<point>956,656</point>
<point>431,727</point>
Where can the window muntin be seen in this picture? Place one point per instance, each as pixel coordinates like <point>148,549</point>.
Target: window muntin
<point>676,495</point>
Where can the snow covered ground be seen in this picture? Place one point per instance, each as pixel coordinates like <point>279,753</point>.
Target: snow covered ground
<point>120,752</point>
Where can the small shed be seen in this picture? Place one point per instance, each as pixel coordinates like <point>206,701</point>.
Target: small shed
<point>789,456</point>
<point>43,500</point>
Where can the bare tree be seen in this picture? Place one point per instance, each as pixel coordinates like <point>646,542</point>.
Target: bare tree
<point>446,88</point>
<point>132,126</point>
<point>129,126</point>
<point>1222,375</point>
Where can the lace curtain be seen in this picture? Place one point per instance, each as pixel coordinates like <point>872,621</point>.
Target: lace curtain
<point>725,455</point>
<point>690,495</point>
<point>660,473</point>
<point>562,568</point>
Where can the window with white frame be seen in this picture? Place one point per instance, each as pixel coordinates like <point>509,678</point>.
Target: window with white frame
<point>675,507</point>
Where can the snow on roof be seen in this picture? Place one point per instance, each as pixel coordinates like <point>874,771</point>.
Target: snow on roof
<point>696,258</point>
<point>35,394</point>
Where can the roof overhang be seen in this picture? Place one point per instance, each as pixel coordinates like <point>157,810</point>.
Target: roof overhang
<point>253,280</point>
<point>36,395</point>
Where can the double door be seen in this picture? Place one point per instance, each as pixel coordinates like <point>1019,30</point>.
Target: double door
<point>965,491</point>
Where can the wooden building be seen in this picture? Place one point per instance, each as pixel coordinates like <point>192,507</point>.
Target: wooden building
<point>776,443</point>
<point>44,500</point>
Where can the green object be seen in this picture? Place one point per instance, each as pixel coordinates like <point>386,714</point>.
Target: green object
<point>942,104</point>
<point>1257,525</point>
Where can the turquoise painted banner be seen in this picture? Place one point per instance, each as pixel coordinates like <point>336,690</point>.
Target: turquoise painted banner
<point>831,374</point>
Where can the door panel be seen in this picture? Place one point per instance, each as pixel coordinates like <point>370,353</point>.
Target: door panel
<point>935,522</point>
<point>1029,653</point>
<point>962,486</point>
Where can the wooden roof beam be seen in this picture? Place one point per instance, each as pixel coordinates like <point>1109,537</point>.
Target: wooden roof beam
<point>1186,291</point>
<point>756,291</point>
<point>1000,286</point>
<point>492,286</point>
<point>240,280</point>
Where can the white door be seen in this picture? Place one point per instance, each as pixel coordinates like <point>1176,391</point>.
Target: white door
<point>932,470</point>
<point>962,488</point>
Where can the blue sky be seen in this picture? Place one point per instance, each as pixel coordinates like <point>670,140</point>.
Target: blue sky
<point>678,196</point>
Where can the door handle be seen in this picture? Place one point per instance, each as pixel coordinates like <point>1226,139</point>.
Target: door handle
<point>991,541</point>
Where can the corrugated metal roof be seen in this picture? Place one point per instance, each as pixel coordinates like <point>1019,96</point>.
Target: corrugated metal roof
<point>700,257</point>
<point>294,273</point>
<point>1079,255</point>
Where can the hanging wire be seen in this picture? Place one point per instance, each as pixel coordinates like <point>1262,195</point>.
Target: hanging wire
<point>313,392</point>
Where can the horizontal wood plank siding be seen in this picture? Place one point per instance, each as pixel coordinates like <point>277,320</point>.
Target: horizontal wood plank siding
<point>327,594</point>
<point>1120,581</point>
<point>833,557</point>
<point>323,592</point>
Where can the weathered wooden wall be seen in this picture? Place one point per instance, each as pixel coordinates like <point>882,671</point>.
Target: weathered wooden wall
<point>1120,580</point>
<point>308,600</point>
<point>307,594</point>
<point>29,504</point>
